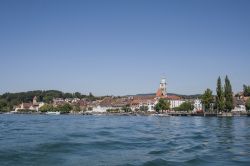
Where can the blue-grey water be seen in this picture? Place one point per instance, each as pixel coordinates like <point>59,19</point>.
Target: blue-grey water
<point>123,140</point>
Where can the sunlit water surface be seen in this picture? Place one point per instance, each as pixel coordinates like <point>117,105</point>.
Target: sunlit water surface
<point>123,140</point>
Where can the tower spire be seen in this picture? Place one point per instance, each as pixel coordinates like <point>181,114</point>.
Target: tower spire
<point>162,91</point>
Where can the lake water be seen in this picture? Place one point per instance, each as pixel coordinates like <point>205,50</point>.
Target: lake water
<point>123,140</point>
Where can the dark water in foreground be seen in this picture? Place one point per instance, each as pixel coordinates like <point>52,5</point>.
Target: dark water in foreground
<point>121,140</point>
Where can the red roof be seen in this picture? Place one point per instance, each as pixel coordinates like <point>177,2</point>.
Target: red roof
<point>173,97</point>
<point>159,93</point>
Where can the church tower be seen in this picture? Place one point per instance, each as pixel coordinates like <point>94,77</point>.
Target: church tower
<point>162,91</point>
<point>35,101</point>
<point>163,86</point>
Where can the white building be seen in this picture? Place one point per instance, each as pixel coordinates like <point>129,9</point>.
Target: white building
<point>198,105</point>
<point>175,103</point>
<point>30,106</point>
<point>99,109</point>
<point>148,103</point>
<point>239,105</point>
<point>239,108</point>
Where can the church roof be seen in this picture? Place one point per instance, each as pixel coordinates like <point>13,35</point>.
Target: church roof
<point>159,93</point>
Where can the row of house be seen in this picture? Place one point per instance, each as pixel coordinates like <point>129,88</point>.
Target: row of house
<point>149,101</point>
<point>34,106</point>
<point>134,102</point>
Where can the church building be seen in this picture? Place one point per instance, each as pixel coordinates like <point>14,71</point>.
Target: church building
<point>175,101</point>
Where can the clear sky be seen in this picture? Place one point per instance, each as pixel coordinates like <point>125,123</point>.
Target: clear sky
<point>123,47</point>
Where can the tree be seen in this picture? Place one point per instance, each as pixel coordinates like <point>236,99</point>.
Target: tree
<point>219,103</point>
<point>48,99</point>
<point>78,95</point>
<point>207,99</point>
<point>186,106</point>
<point>126,108</point>
<point>248,104</point>
<point>68,95</point>
<point>46,108</point>
<point>3,106</point>
<point>228,95</point>
<point>64,109</point>
<point>91,97</point>
<point>246,90</point>
<point>143,108</point>
<point>162,105</point>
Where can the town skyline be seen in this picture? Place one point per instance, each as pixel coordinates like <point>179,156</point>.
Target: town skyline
<point>123,48</point>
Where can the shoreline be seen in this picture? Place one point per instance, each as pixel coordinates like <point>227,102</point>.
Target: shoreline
<point>225,114</point>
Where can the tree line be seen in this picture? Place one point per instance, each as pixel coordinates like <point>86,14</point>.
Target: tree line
<point>223,101</point>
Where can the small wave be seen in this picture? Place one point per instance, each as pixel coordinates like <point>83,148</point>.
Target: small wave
<point>62,147</point>
<point>196,161</point>
<point>112,145</point>
<point>104,133</point>
<point>78,135</point>
<point>158,152</point>
<point>160,162</point>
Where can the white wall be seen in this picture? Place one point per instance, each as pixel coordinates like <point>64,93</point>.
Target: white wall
<point>175,103</point>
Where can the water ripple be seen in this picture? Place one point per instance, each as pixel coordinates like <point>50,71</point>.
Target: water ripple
<point>123,141</point>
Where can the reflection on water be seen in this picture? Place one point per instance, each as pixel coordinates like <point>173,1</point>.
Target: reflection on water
<point>122,140</point>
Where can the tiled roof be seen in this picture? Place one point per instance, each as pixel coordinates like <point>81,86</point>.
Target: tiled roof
<point>159,93</point>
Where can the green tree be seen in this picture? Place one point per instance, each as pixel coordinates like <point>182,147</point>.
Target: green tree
<point>113,110</point>
<point>3,106</point>
<point>246,90</point>
<point>219,103</point>
<point>48,99</point>
<point>64,109</point>
<point>207,99</point>
<point>68,95</point>
<point>162,105</point>
<point>143,108</point>
<point>126,108</point>
<point>186,106</point>
<point>78,95</point>
<point>46,108</point>
<point>91,97</point>
<point>248,104</point>
<point>228,95</point>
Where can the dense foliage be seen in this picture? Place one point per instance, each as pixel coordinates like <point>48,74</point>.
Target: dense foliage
<point>126,108</point>
<point>220,103</point>
<point>64,109</point>
<point>207,99</point>
<point>246,90</point>
<point>113,110</point>
<point>248,104</point>
<point>47,108</point>
<point>228,95</point>
<point>162,105</point>
<point>186,106</point>
<point>143,108</point>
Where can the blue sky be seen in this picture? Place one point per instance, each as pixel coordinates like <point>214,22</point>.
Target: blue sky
<point>123,47</point>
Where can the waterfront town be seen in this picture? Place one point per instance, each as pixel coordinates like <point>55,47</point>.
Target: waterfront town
<point>161,102</point>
